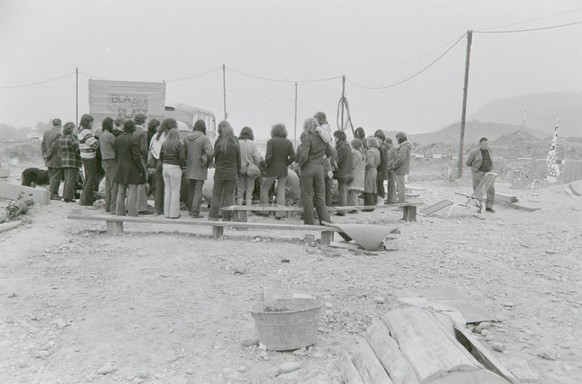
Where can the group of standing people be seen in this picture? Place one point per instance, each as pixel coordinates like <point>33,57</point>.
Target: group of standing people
<point>127,153</point>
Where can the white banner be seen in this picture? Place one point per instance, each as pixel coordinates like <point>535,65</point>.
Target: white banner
<point>551,161</point>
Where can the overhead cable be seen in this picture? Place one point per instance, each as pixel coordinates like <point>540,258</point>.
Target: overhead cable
<point>530,20</point>
<point>283,81</point>
<point>37,83</point>
<point>92,76</point>
<point>193,76</point>
<point>417,73</point>
<point>532,29</point>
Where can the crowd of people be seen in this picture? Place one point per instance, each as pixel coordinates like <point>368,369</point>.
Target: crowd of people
<point>136,162</point>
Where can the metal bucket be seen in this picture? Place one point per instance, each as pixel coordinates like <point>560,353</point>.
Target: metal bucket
<point>287,324</point>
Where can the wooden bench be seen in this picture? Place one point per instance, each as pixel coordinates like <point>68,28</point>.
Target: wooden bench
<point>115,225</point>
<point>240,212</point>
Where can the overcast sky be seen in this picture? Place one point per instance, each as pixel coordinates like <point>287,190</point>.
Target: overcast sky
<point>374,43</point>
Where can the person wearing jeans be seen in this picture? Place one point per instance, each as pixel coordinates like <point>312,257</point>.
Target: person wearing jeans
<point>88,145</point>
<point>109,164</point>
<point>173,157</point>
<point>52,158</point>
<point>199,154</point>
<point>70,161</point>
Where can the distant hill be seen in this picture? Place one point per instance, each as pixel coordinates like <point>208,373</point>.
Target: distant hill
<point>541,111</point>
<point>473,132</point>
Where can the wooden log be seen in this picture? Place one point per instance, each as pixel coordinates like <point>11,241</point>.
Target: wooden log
<point>428,349</point>
<point>504,198</point>
<point>348,370</point>
<point>389,354</point>
<point>368,365</point>
<point>523,207</point>
<point>482,353</point>
<point>12,191</point>
<point>9,225</point>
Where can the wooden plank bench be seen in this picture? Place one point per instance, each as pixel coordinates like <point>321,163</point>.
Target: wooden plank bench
<point>115,225</point>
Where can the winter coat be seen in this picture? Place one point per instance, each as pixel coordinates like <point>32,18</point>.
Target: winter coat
<point>372,164</point>
<point>50,148</point>
<point>227,164</point>
<point>70,154</point>
<point>344,161</point>
<point>173,156</point>
<point>129,165</point>
<point>358,171</point>
<point>383,170</point>
<point>107,145</point>
<point>402,164</point>
<point>313,150</point>
<point>249,153</point>
<point>474,159</point>
<point>199,154</point>
<point>280,154</point>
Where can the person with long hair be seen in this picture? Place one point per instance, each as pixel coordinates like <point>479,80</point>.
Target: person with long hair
<point>250,157</point>
<point>227,167</point>
<point>356,185</point>
<point>130,170</point>
<point>280,154</point>
<point>153,126</point>
<point>199,154</point>
<point>311,164</point>
<point>343,174</point>
<point>109,164</point>
<point>173,159</point>
<point>154,151</point>
<point>88,145</point>
<point>70,161</point>
<point>371,176</point>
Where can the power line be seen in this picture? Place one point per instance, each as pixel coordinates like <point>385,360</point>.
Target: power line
<point>417,73</point>
<point>533,29</point>
<point>530,20</point>
<point>193,76</point>
<point>92,76</point>
<point>284,81</point>
<point>37,83</point>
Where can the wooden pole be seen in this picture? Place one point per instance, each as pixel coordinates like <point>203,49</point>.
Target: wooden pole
<point>464,113</point>
<point>343,101</point>
<point>295,129</point>
<point>77,95</point>
<point>224,89</point>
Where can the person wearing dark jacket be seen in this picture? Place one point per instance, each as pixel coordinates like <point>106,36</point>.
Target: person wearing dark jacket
<point>383,168</point>
<point>343,174</point>
<point>70,161</point>
<point>391,187</point>
<point>130,169</point>
<point>199,154</point>
<point>52,158</point>
<point>311,163</point>
<point>173,157</point>
<point>279,156</point>
<point>227,167</point>
<point>480,160</point>
<point>109,164</point>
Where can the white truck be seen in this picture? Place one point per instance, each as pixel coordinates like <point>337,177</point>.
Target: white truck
<point>108,98</point>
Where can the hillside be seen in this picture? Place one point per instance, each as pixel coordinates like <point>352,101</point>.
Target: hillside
<point>541,112</point>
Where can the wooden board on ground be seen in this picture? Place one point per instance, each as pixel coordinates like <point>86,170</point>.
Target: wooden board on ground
<point>348,370</point>
<point>524,207</point>
<point>504,198</point>
<point>426,211</point>
<point>11,191</point>
<point>370,369</point>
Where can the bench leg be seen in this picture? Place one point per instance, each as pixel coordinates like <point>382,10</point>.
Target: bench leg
<point>326,237</point>
<point>217,232</point>
<point>114,228</point>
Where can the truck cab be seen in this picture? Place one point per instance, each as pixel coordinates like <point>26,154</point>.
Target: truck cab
<point>186,115</point>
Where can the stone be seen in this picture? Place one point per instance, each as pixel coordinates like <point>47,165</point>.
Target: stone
<point>287,367</point>
<point>379,300</point>
<point>12,295</point>
<point>59,323</point>
<point>264,355</point>
<point>242,369</point>
<point>250,342</point>
<point>548,355</point>
<point>189,371</point>
<point>483,325</point>
<point>499,347</point>
<point>106,369</point>
<point>143,374</point>
<point>240,269</point>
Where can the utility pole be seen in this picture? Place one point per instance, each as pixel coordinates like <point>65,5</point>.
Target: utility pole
<point>77,95</point>
<point>224,89</point>
<point>464,113</point>
<point>343,99</point>
<point>295,129</point>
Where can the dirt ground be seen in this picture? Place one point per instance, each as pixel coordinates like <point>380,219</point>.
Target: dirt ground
<point>171,305</point>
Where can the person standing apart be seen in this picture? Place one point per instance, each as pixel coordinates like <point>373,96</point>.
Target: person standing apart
<point>52,158</point>
<point>88,145</point>
<point>371,177</point>
<point>343,174</point>
<point>130,170</point>
<point>280,154</point>
<point>356,185</point>
<point>227,167</point>
<point>480,160</point>
<point>199,154</point>
<point>173,158</point>
<point>311,163</point>
<point>250,157</point>
<point>109,164</point>
<point>142,136</point>
<point>70,161</point>
<point>401,166</point>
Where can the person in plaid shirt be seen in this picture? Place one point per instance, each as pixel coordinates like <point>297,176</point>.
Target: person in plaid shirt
<point>70,161</point>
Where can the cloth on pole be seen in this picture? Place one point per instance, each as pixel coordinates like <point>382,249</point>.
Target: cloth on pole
<point>551,161</point>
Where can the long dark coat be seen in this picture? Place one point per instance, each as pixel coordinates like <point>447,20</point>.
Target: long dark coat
<point>279,156</point>
<point>129,166</point>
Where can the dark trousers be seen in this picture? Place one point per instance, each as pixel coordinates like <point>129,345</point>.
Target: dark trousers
<point>477,177</point>
<point>90,166</point>
<point>380,186</point>
<point>342,189</point>
<point>159,191</point>
<point>222,196</point>
<point>55,178</point>
<point>328,191</point>
<point>71,175</point>
<point>195,199</point>
<point>369,199</point>
<point>391,189</point>
<point>313,193</point>
<point>110,168</point>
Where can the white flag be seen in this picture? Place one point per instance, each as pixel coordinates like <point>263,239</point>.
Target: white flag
<point>551,161</point>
